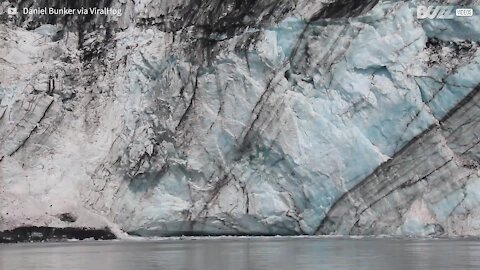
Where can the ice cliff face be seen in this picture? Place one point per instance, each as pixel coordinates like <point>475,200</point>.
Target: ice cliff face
<point>241,117</point>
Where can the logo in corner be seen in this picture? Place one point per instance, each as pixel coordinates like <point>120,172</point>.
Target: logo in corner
<point>12,11</point>
<point>435,12</point>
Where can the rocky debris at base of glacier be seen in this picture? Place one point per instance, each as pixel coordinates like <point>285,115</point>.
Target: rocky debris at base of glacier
<point>241,117</point>
<point>43,234</point>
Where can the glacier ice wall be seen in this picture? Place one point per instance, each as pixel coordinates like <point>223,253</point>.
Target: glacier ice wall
<point>241,117</point>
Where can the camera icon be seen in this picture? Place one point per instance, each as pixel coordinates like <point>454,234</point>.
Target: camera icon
<point>12,11</point>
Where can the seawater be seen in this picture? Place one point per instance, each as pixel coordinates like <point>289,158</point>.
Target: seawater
<point>244,254</point>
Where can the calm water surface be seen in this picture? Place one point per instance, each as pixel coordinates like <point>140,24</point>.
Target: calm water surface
<point>245,254</point>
